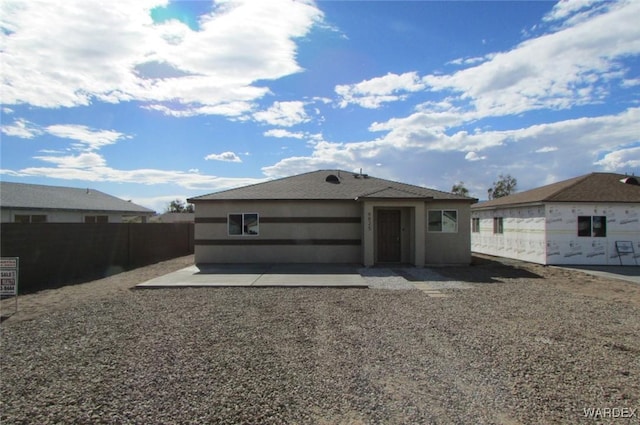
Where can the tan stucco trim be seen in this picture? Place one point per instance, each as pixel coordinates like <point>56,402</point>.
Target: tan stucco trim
<point>418,231</point>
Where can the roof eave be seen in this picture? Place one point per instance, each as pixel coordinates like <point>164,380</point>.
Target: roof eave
<point>513,205</point>
<point>382,198</point>
<point>128,212</point>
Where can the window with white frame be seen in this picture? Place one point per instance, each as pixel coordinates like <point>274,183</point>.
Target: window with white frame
<point>475,225</point>
<point>445,221</point>
<point>243,224</point>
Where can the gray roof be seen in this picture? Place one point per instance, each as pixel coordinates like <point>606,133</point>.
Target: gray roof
<point>594,187</point>
<point>317,185</point>
<point>34,196</point>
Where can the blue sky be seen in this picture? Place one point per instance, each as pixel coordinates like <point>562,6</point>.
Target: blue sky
<point>154,100</point>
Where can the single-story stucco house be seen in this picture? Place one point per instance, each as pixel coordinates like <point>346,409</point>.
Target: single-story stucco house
<point>332,216</point>
<point>34,203</point>
<point>591,219</point>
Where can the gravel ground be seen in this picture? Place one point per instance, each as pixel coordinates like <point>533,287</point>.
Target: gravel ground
<point>519,344</point>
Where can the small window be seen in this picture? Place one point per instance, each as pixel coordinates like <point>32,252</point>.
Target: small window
<point>475,225</point>
<point>592,226</point>
<point>599,226</point>
<point>26,218</point>
<point>246,224</point>
<point>20,218</point>
<point>96,219</point>
<point>584,225</point>
<point>498,225</point>
<point>445,221</point>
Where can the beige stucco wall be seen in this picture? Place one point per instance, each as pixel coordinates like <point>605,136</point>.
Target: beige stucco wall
<point>307,242</point>
<point>419,247</point>
<point>449,248</point>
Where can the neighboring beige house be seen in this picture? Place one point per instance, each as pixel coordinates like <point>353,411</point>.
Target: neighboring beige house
<point>332,216</point>
<point>33,203</point>
<point>592,219</point>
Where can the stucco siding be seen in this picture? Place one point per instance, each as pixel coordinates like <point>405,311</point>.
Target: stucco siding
<point>278,254</point>
<point>289,231</point>
<point>442,248</point>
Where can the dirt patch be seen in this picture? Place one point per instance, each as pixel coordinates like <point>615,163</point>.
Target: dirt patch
<point>523,344</point>
<point>486,269</point>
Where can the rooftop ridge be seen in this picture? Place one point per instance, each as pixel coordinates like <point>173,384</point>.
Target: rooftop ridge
<point>591,187</point>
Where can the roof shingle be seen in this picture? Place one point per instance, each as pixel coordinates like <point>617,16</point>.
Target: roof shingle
<point>34,196</point>
<point>315,186</point>
<point>594,187</point>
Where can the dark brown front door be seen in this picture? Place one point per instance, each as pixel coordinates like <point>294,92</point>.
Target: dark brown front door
<point>388,236</point>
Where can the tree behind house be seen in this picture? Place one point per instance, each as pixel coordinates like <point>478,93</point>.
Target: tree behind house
<point>504,186</point>
<point>177,206</point>
<point>459,189</point>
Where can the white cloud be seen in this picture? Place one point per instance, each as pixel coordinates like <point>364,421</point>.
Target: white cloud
<point>284,114</point>
<point>22,128</point>
<point>546,149</point>
<point>376,91</point>
<point>468,61</point>
<point>570,67</point>
<point>83,160</point>
<point>228,109</point>
<point>622,160</point>
<point>282,133</point>
<point>188,180</point>
<point>631,82</point>
<point>565,8</point>
<point>74,52</point>
<point>411,148</point>
<point>224,156</point>
<point>473,156</point>
<point>90,139</point>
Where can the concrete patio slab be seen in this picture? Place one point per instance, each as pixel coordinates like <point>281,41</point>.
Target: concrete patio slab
<point>257,275</point>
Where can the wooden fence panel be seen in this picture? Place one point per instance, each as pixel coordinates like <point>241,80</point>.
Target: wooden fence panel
<point>55,254</point>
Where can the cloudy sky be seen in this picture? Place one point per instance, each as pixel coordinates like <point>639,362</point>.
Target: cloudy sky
<point>154,100</point>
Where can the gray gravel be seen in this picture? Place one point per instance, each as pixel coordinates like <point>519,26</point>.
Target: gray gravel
<point>507,352</point>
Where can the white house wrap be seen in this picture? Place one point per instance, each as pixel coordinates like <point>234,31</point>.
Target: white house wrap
<point>592,219</point>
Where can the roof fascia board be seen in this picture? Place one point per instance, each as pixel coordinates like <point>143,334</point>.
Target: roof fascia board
<point>193,201</point>
<point>506,206</point>
<point>383,199</point>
